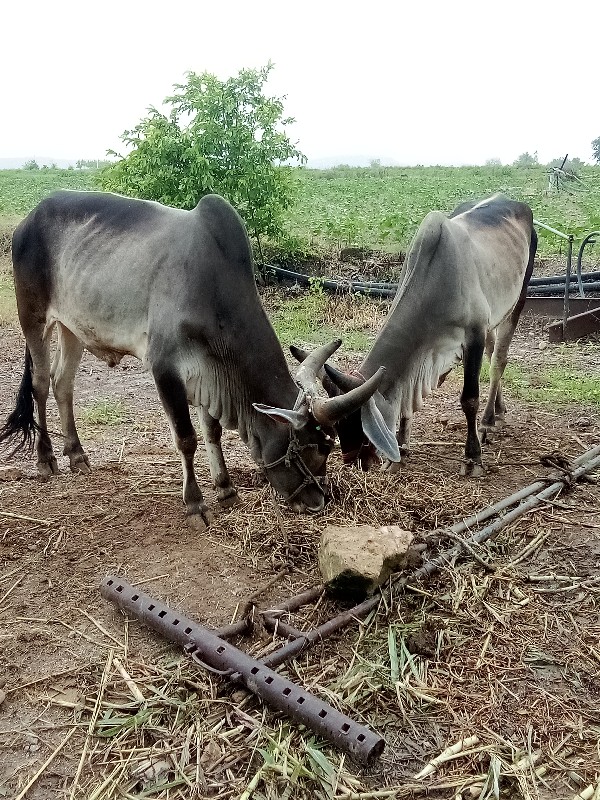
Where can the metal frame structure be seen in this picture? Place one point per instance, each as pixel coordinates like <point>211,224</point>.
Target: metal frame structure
<point>211,650</point>
<point>587,319</point>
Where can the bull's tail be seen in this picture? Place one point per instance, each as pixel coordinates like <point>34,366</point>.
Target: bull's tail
<point>21,424</point>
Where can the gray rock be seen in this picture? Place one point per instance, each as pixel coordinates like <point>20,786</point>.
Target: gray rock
<point>355,559</point>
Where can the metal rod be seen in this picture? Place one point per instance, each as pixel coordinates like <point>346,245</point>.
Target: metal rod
<point>585,463</point>
<point>215,654</point>
<point>567,282</point>
<point>552,230</point>
<point>589,239</point>
<point>238,628</point>
<point>294,603</point>
<point>275,625</point>
<point>521,494</point>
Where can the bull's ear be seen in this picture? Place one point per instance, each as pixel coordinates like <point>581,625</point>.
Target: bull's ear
<point>378,432</point>
<point>297,419</point>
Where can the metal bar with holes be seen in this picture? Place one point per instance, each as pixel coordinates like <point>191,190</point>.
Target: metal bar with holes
<point>217,655</point>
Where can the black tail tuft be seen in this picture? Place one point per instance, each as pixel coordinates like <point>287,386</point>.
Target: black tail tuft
<point>21,423</point>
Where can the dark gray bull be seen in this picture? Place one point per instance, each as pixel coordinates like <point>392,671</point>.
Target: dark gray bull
<point>175,289</point>
<point>461,292</point>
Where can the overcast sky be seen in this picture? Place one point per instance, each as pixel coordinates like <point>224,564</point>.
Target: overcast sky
<point>418,82</point>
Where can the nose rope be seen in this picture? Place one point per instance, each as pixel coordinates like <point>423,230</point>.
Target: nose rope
<point>293,457</point>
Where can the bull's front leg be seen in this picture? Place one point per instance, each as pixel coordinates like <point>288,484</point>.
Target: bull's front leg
<point>211,432</point>
<point>469,400</point>
<point>172,393</point>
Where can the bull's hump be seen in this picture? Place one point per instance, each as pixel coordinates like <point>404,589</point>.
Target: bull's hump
<point>226,229</point>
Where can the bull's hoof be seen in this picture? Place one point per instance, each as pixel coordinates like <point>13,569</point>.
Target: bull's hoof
<point>391,466</point>
<point>229,498</point>
<point>47,469</point>
<point>487,430</point>
<point>200,521</point>
<point>486,434</point>
<point>471,469</point>
<point>80,464</point>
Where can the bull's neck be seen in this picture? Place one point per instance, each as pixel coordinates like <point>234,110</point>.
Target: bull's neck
<point>394,349</point>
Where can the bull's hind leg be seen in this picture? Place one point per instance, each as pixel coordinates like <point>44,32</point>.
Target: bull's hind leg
<point>172,393</point>
<point>469,400</point>
<point>39,348</point>
<point>65,364</point>
<point>495,408</point>
<point>495,402</point>
<point>212,431</point>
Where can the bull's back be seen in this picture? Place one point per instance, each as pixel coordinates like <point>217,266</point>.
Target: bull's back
<point>110,267</point>
<point>494,237</point>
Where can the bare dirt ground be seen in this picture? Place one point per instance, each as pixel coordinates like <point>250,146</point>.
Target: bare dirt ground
<point>519,664</point>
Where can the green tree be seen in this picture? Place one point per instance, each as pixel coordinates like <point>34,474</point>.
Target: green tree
<point>596,150</point>
<point>526,160</point>
<point>31,164</point>
<point>219,136</point>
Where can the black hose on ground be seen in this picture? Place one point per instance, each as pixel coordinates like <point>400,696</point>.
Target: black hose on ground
<point>553,284</point>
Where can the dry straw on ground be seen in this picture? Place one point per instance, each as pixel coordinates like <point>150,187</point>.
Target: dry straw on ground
<point>484,683</point>
<point>483,680</point>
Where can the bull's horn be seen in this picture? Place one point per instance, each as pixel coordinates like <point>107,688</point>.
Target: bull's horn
<point>342,380</point>
<point>332,410</point>
<point>308,371</point>
<point>299,353</point>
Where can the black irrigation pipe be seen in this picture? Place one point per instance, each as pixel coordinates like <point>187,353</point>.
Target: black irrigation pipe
<point>553,284</point>
<point>591,286</point>
<point>357,287</point>
<point>560,279</point>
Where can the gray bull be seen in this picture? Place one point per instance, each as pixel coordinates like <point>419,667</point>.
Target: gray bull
<point>461,292</point>
<point>175,289</point>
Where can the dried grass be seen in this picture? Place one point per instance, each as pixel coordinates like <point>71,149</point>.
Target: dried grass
<point>503,666</point>
<point>504,662</point>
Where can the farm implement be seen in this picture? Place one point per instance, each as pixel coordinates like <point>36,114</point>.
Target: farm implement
<point>211,649</point>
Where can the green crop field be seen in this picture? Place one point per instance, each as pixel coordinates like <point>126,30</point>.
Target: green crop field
<point>382,207</point>
<point>378,208</point>
<point>22,189</point>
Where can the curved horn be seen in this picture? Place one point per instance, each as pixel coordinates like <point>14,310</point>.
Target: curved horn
<point>332,410</point>
<point>308,371</point>
<point>342,380</point>
<point>299,353</point>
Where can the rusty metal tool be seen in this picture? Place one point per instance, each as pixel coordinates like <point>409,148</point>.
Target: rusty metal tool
<point>215,654</point>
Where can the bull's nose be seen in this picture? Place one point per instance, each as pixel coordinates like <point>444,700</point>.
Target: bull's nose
<point>302,508</point>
